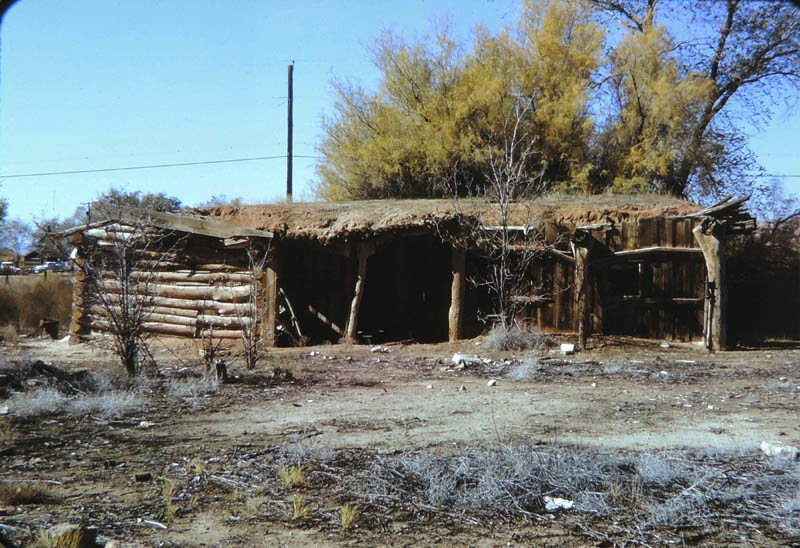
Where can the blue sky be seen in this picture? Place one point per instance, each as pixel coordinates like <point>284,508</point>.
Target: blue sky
<point>94,84</point>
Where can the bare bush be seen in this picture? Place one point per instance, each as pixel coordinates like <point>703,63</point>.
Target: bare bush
<point>524,371</point>
<point>193,387</point>
<point>108,404</point>
<point>43,401</point>
<point>646,494</point>
<point>514,338</point>
<point>120,271</point>
<point>47,401</point>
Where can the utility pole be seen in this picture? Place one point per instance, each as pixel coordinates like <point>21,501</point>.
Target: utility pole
<point>289,140</point>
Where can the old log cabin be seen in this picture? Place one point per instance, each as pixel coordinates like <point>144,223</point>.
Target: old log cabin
<point>372,271</point>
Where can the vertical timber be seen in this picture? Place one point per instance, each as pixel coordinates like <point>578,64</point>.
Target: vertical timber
<point>456,313</point>
<point>270,284</point>
<point>364,251</point>
<point>710,235</point>
<point>582,243</point>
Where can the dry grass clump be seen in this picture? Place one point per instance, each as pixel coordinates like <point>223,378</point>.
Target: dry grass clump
<point>46,401</point>
<point>514,338</point>
<point>292,476</point>
<point>8,334</point>
<point>644,494</point>
<point>18,493</point>
<point>524,371</point>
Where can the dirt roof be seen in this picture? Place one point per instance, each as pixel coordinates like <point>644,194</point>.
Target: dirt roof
<point>338,220</point>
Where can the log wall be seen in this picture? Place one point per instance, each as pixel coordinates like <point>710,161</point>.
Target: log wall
<point>194,286</point>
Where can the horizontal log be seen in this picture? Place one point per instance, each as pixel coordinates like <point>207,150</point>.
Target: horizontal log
<point>98,311</point>
<point>224,321</point>
<point>242,309</point>
<point>98,324</point>
<point>215,293</point>
<point>218,277</point>
<point>221,333</point>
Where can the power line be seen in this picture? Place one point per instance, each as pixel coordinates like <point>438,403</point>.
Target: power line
<point>156,166</point>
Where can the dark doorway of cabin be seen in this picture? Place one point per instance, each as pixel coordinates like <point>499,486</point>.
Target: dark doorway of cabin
<point>407,292</point>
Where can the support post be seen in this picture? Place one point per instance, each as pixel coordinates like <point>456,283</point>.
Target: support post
<point>269,322</point>
<point>711,236</point>
<point>77,327</point>
<point>456,313</point>
<point>364,251</point>
<point>582,243</point>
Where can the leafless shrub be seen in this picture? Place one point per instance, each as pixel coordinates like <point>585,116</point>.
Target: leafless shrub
<point>643,493</point>
<point>251,320</point>
<point>513,338</point>
<point>42,401</point>
<point>655,469</point>
<point>525,370</point>
<point>108,404</point>
<point>47,401</point>
<point>120,270</point>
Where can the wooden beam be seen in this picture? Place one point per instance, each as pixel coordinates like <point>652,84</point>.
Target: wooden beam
<point>456,312</point>
<point>324,319</point>
<point>655,249</point>
<point>711,237</point>
<point>364,251</point>
<point>582,244</point>
<point>172,221</point>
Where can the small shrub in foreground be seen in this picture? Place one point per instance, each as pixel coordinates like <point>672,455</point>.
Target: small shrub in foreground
<point>514,338</point>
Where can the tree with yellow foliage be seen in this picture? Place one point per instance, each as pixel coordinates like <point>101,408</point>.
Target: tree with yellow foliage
<point>619,95</point>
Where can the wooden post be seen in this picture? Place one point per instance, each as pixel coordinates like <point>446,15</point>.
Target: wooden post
<point>456,313</point>
<point>77,327</point>
<point>582,243</point>
<point>711,237</point>
<point>269,322</point>
<point>364,251</point>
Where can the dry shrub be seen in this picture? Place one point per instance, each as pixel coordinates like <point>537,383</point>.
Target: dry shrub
<point>514,338</point>
<point>49,298</point>
<point>9,307</point>
<point>8,334</point>
<point>13,494</point>
<point>29,299</point>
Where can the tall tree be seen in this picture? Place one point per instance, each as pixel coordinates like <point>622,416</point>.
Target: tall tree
<point>17,235</point>
<point>436,107</point>
<point>749,52</point>
<point>655,104</point>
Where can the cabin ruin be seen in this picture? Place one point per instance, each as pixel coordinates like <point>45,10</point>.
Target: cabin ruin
<point>376,271</point>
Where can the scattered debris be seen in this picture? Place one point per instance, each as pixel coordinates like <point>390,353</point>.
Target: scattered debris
<point>146,424</point>
<point>381,349</point>
<point>151,523</point>
<point>778,450</point>
<point>464,360</point>
<point>492,382</point>
<point>552,504</point>
<point>567,348</point>
<point>462,388</point>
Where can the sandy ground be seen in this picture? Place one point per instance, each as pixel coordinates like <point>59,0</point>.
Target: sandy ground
<point>621,394</point>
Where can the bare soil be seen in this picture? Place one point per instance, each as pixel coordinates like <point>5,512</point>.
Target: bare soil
<point>346,406</point>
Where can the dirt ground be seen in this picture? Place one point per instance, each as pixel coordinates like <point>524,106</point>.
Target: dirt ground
<point>343,405</point>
